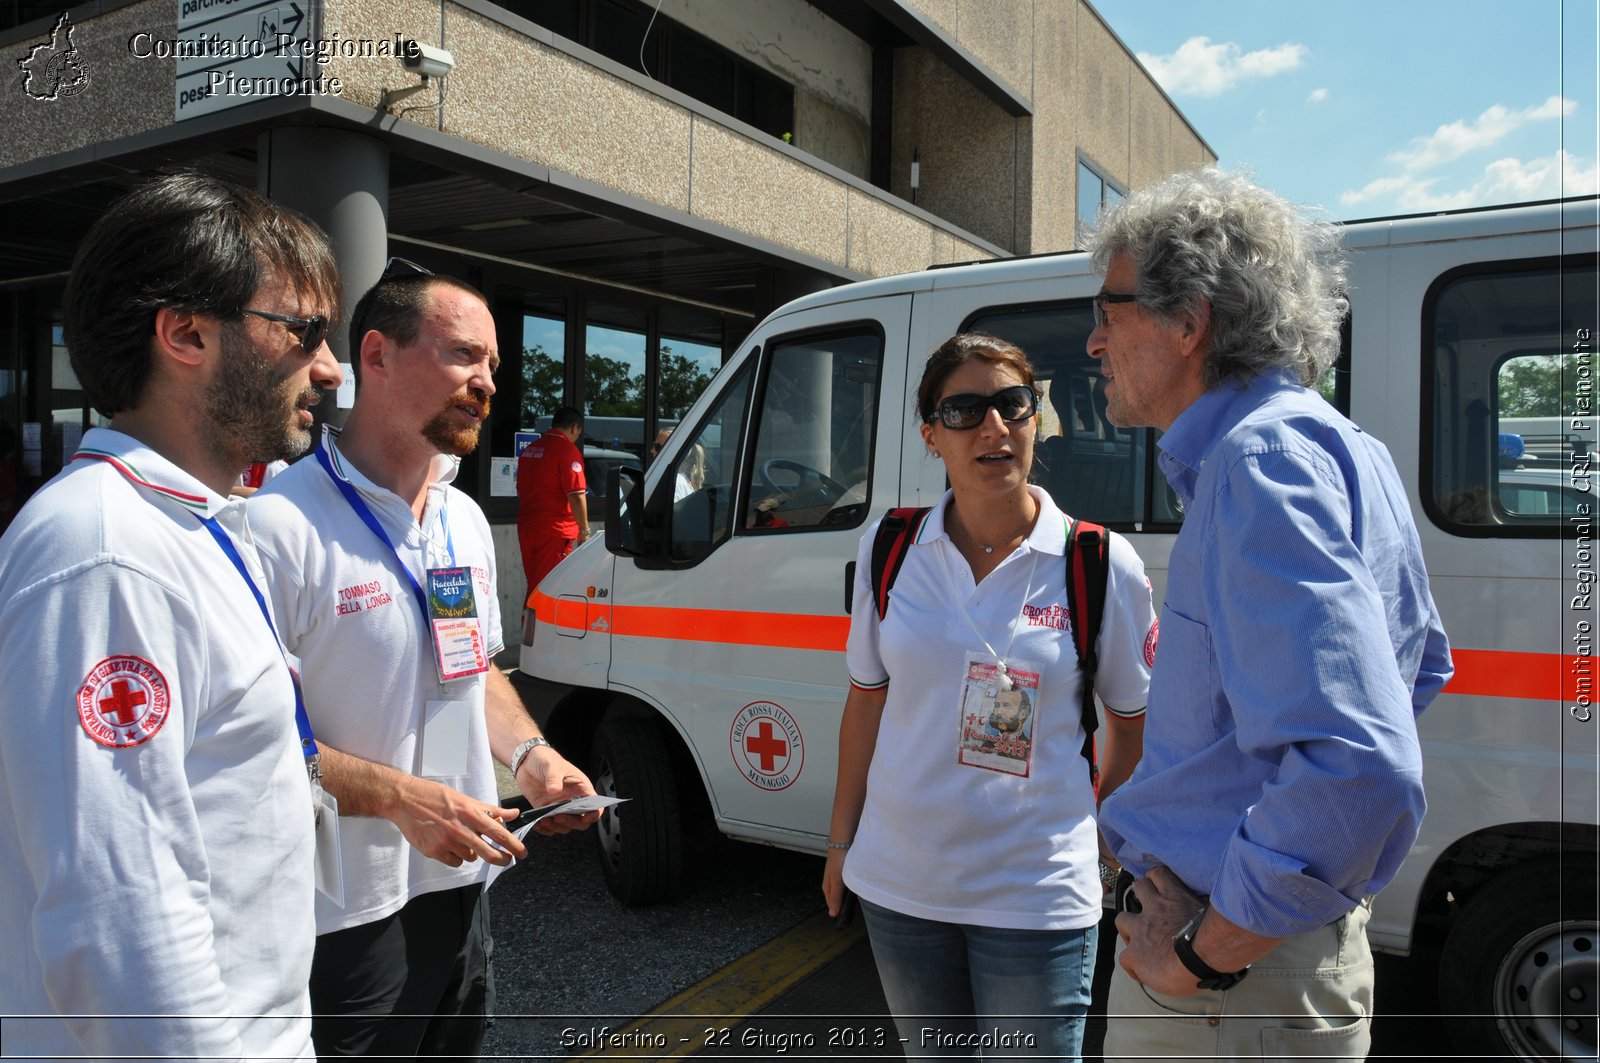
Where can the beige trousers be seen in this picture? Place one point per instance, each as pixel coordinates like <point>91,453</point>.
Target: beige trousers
<point>1311,997</point>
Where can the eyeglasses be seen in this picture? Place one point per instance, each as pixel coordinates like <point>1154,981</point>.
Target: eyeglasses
<point>1103,298</point>
<point>311,331</point>
<point>961,412</point>
<point>398,269</point>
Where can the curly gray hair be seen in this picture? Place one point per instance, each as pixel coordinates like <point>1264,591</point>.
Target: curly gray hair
<point>1272,273</point>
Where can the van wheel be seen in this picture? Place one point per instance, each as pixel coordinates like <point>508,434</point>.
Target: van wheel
<point>640,842</point>
<point>1521,961</point>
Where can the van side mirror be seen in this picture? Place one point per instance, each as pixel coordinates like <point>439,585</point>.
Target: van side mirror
<point>624,511</point>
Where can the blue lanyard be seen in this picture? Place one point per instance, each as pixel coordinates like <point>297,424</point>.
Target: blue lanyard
<point>302,722</point>
<point>370,519</point>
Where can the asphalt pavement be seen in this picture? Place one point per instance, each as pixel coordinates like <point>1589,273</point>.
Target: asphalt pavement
<point>745,963</point>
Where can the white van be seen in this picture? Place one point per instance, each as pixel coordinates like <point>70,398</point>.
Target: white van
<point>703,640</point>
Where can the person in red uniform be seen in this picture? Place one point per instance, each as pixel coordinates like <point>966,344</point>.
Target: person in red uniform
<point>552,509</point>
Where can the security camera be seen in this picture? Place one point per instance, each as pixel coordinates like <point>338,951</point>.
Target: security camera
<point>427,60</point>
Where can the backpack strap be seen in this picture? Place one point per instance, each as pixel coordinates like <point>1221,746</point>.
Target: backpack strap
<point>895,534</point>
<point>1088,568</point>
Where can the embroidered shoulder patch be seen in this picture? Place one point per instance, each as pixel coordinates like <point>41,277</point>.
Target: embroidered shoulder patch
<point>123,701</point>
<point>1150,640</point>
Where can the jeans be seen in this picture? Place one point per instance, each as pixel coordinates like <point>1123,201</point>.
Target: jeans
<point>962,990</point>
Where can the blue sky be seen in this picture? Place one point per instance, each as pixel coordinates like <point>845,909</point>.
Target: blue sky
<point>1373,107</point>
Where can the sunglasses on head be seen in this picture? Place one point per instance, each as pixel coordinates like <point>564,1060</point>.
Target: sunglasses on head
<point>311,331</point>
<point>1103,298</point>
<point>400,269</point>
<point>961,412</point>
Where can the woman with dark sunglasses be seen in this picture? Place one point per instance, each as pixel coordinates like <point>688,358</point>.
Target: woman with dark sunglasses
<point>964,813</point>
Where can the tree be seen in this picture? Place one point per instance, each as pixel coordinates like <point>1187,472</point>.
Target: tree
<point>1538,386</point>
<point>541,385</point>
<point>610,389</point>
<point>680,383</point>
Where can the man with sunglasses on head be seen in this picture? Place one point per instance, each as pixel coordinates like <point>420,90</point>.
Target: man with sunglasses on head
<point>157,838</point>
<point>1281,785</point>
<point>382,575</point>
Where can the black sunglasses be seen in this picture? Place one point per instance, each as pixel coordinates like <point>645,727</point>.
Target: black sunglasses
<point>961,412</point>
<point>311,331</point>
<point>1103,298</point>
<point>397,269</point>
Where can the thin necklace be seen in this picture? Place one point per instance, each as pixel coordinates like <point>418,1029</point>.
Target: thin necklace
<point>1005,682</point>
<point>989,549</point>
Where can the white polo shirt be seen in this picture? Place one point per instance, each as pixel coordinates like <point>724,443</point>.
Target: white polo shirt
<point>349,614</point>
<point>942,837</point>
<point>156,839</point>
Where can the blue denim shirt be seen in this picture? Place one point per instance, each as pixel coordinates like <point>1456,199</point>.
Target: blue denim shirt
<point>1282,773</point>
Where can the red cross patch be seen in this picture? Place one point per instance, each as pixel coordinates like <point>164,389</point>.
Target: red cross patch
<point>123,701</point>
<point>767,746</point>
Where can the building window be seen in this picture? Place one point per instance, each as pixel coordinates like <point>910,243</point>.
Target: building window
<point>544,344</point>
<point>1095,193</point>
<point>683,369</point>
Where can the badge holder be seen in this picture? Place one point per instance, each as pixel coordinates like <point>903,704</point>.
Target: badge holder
<point>459,650</point>
<point>458,653</point>
<point>330,872</point>
<point>999,712</point>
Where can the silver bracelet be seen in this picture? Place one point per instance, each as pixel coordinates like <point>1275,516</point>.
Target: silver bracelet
<point>522,752</point>
<point>837,845</point>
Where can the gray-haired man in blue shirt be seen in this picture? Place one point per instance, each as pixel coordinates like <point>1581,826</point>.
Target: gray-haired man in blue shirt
<point>1281,784</point>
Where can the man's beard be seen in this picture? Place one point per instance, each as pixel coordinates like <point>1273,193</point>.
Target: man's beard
<point>252,404</point>
<point>449,437</point>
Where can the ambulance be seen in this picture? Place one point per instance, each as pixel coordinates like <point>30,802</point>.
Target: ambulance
<point>700,645</point>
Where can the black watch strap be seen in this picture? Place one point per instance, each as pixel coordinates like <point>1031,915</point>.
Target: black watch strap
<point>1210,978</point>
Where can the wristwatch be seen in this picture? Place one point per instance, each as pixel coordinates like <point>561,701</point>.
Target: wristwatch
<point>1210,977</point>
<point>523,750</point>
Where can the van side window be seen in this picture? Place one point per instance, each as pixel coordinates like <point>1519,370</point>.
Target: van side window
<point>700,481</point>
<point>1090,467</point>
<point>811,465</point>
<point>1509,351</point>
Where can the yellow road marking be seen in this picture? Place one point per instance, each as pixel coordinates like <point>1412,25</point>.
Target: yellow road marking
<point>738,991</point>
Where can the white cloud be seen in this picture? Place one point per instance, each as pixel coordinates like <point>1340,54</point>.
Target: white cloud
<point>1317,96</point>
<point>1455,139</point>
<point>1502,181</point>
<point>1201,68</point>
<point>1416,186</point>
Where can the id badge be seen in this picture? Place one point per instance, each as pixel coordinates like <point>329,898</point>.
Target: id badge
<point>458,646</point>
<point>999,714</point>
<point>444,739</point>
<point>330,872</point>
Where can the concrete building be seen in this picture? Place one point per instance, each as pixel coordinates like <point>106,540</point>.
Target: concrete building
<point>633,184</point>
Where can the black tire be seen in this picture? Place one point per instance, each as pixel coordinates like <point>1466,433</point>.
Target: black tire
<point>640,842</point>
<point>1520,963</point>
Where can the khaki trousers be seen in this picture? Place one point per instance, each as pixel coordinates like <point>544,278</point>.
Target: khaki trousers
<point>1311,997</point>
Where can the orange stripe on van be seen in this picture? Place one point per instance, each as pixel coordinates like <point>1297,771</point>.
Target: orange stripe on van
<point>784,631</point>
<point>1503,674</point>
<point>1480,673</point>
